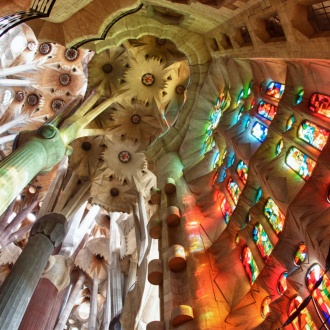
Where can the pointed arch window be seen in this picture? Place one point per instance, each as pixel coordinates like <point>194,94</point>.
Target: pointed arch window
<point>274,215</point>
<point>320,103</point>
<point>233,190</point>
<point>300,162</point>
<point>242,171</point>
<point>275,89</point>
<point>267,110</point>
<point>249,264</point>
<point>262,241</point>
<point>226,210</point>
<point>321,294</point>
<point>313,134</point>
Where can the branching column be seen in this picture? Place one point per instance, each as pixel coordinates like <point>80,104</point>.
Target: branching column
<point>15,293</point>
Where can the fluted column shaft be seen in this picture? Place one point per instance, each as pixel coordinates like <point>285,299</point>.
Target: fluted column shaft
<point>17,289</point>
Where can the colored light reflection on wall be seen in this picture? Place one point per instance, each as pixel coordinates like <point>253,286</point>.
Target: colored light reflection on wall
<point>274,215</point>
<point>282,284</point>
<point>259,131</point>
<point>249,264</point>
<point>313,134</point>
<point>321,295</point>
<point>300,162</point>
<point>275,89</point>
<point>267,110</point>
<point>233,190</point>
<point>262,241</point>
<point>226,210</point>
<point>300,255</point>
<point>320,103</point>
<point>279,147</point>
<point>265,307</point>
<point>242,171</point>
<point>304,319</point>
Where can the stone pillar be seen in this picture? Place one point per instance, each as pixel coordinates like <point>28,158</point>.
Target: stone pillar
<point>16,291</point>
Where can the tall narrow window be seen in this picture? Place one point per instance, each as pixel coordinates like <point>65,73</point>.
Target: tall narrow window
<point>313,134</point>
<point>226,210</point>
<point>274,215</point>
<point>259,131</point>
<point>267,110</point>
<point>320,103</point>
<point>319,16</point>
<point>275,89</point>
<point>245,35</point>
<point>300,162</point>
<point>249,264</point>
<point>262,241</point>
<point>242,171</point>
<point>233,190</point>
<point>274,27</point>
<point>321,295</point>
<point>304,319</point>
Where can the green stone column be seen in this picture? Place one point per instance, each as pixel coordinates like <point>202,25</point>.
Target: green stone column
<point>15,293</point>
<point>38,151</point>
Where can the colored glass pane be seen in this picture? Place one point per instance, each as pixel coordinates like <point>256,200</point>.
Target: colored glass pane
<point>313,134</point>
<point>258,195</point>
<point>242,171</point>
<point>250,88</point>
<point>300,162</point>
<point>233,190</point>
<point>247,123</point>
<point>252,104</point>
<point>320,103</point>
<point>226,210</point>
<point>248,218</point>
<point>300,95</point>
<point>279,147</point>
<point>304,320</point>
<point>300,255</point>
<point>259,131</point>
<point>274,215</point>
<point>265,307</point>
<point>321,294</point>
<point>240,95</point>
<point>275,89</point>
<point>249,264</point>
<point>267,110</point>
<point>262,241</point>
<point>240,113</point>
<point>282,283</point>
<point>289,123</point>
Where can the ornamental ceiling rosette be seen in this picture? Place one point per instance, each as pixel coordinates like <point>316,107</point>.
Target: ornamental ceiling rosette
<point>122,157</point>
<point>86,157</point>
<point>112,194</point>
<point>108,68</point>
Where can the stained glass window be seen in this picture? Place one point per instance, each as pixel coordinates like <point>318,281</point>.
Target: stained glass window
<point>300,162</point>
<point>282,283</point>
<point>320,103</point>
<point>247,123</point>
<point>252,104</point>
<point>265,307</point>
<point>262,241</point>
<point>313,134</point>
<point>304,320</point>
<point>275,89</point>
<point>274,215</point>
<point>300,95</point>
<point>250,88</point>
<point>226,210</point>
<point>249,264</point>
<point>242,171</point>
<point>267,110</point>
<point>289,123</point>
<point>300,255</point>
<point>233,190</point>
<point>321,294</point>
<point>259,131</point>
<point>258,195</point>
<point>237,239</point>
<point>279,147</point>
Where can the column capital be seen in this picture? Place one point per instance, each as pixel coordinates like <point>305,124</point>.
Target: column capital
<point>52,225</point>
